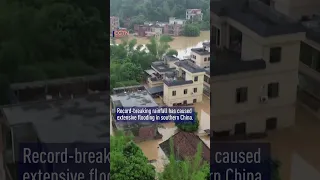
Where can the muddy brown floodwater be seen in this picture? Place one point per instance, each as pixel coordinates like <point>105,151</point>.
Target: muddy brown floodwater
<point>179,43</point>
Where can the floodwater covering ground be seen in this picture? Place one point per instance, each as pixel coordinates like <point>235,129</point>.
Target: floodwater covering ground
<point>178,43</point>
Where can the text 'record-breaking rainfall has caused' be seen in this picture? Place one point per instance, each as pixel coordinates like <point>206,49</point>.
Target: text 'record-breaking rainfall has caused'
<point>65,164</point>
<point>180,114</point>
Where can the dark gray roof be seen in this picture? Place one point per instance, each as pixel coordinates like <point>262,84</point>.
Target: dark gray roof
<point>160,66</point>
<point>139,98</point>
<point>83,119</point>
<point>170,58</point>
<point>206,44</point>
<point>189,66</point>
<point>34,84</point>
<point>177,82</point>
<point>257,16</point>
<point>225,62</point>
<point>155,90</point>
<point>207,71</point>
<point>200,51</point>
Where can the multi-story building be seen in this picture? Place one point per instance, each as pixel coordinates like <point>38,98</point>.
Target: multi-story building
<point>194,15</point>
<point>151,29</point>
<point>201,57</point>
<point>184,85</point>
<point>308,13</point>
<point>254,73</point>
<point>173,20</point>
<point>114,23</point>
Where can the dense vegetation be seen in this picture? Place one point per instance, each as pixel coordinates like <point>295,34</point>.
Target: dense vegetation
<point>192,168</point>
<point>189,126</point>
<point>158,10</point>
<point>127,160</point>
<point>129,163</point>
<point>50,39</point>
<point>128,63</point>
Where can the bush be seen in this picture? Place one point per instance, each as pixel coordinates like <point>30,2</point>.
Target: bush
<point>166,38</point>
<point>126,83</point>
<point>189,126</point>
<point>191,30</point>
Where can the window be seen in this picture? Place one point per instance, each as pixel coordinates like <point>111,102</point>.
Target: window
<point>273,90</point>
<point>195,90</point>
<point>205,59</point>
<point>306,54</point>
<point>275,54</point>
<point>216,35</point>
<point>194,100</point>
<point>241,95</point>
<point>185,102</point>
<point>174,93</point>
<point>196,78</point>
<point>271,123</point>
<point>185,91</point>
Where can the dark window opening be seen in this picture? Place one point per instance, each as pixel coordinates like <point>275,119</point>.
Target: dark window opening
<point>241,95</point>
<point>271,123</point>
<point>275,55</point>
<point>273,90</point>
<point>240,129</point>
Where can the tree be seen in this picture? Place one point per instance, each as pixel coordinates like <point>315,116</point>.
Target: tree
<point>157,47</point>
<point>192,168</point>
<point>172,52</point>
<point>127,161</point>
<point>38,37</point>
<point>191,30</point>
<point>189,126</point>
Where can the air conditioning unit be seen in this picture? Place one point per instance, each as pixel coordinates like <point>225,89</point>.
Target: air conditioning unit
<point>263,99</point>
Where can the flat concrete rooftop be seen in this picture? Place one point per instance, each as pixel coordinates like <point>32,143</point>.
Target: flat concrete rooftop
<point>83,119</point>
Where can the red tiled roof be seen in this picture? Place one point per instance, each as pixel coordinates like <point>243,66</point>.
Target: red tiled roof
<point>147,132</point>
<point>185,145</point>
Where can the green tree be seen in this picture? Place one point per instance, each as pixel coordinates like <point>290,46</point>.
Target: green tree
<point>189,126</point>
<point>172,52</point>
<point>157,47</point>
<point>127,161</point>
<point>192,168</point>
<point>191,30</point>
<point>29,73</point>
<point>4,89</point>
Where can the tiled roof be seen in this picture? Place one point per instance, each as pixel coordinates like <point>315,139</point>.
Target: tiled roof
<point>185,146</point>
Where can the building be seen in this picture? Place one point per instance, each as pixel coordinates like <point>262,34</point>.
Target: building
<point>79,120</point>
<point>185,145</point>
<point>173,20</point>
<point>201,57</point>
<point>254,75</point>
<point>184,85</point>
<point>114,23</point>
<point>194,15</point>
<point>308,13</point>
<point>134,96</point>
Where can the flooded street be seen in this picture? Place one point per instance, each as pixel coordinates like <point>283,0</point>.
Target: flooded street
<point>179,43</point>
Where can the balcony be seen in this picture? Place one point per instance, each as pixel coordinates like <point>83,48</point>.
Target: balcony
<point>154,81</point>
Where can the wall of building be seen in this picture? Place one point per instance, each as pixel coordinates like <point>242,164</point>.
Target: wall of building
<point>227,112</point>
<point>199,60</point>
<point>180,97</point>
<point>297,8</point>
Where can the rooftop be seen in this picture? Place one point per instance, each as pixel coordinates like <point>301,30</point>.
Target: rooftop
<point>313,28</point>
<point>140,98</point>
<point>185,146</point>
<point>83,119</point>
<point>161,66</point>
<point>207,71</point>
<point>257,16</point>
<point>226,62</point>
<point>189,66</point>
<point>206,44</point>
<point>170,58</point>
<point>200,51</point>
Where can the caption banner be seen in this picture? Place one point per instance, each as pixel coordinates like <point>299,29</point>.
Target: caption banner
<point>161,114</point>
<point>240,161</point>
<point>81,161</point>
